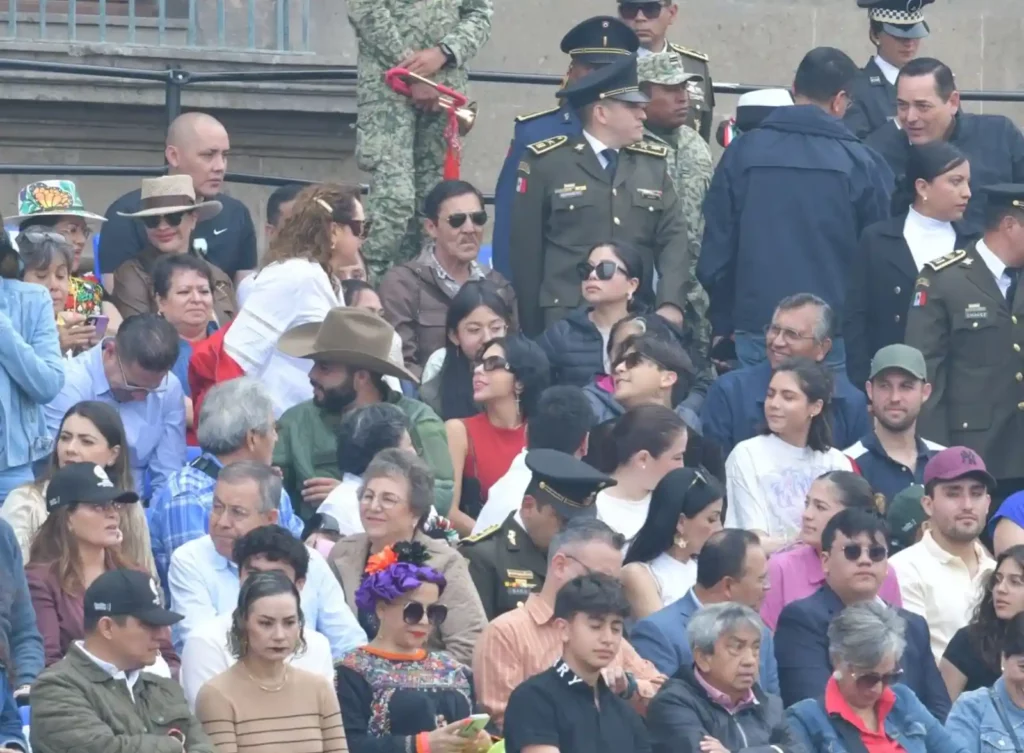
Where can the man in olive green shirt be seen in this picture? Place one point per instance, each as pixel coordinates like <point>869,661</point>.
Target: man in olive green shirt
<point>349,350</point>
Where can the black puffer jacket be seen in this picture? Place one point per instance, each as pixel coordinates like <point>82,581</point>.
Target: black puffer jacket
<point>682,714</point>
<point>574,348</point>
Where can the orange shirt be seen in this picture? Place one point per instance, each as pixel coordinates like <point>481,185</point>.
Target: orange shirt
<point>875,742</point>
<point>523,643</point>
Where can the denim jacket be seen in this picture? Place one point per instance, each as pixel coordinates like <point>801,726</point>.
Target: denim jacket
<point>31,371</point>
<point>975,725</point>
<point>908,723</point>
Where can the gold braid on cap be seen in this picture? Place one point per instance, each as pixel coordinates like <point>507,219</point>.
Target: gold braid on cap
<point>614,92</point>
<point>559,497</point>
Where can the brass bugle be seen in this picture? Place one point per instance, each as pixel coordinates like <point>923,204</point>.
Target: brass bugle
<point>465,115</point>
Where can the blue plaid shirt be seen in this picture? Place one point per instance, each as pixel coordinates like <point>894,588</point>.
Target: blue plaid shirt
<point>181,512</point>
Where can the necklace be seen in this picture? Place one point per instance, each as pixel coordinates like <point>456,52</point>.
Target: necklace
<point>264,688</point>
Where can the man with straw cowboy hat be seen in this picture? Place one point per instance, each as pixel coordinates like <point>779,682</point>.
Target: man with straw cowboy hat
<point>169,210</point>
<point>350,354</point>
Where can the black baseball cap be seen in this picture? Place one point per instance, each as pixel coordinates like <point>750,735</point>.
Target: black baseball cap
<point>565,482</point>
<point>84,483</point>
<point>128,593</point>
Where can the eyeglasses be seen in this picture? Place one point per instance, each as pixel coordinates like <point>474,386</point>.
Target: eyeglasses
<point>633,359</point>
<point>869,680</point>
<point>876,552</point>
<point>588,570</point>
<point>413,613</point>
<point>135,389</point>
<point>386,502</point>
<point>629,11</point>
<point>493,363</point>
<point>359,228</point>
<point>789,336</point>
<point>173,220</point>
<point>605,270</point>
<point>458,219</point>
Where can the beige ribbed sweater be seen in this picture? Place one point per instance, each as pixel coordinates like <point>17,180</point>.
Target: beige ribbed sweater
<point>302,717</point>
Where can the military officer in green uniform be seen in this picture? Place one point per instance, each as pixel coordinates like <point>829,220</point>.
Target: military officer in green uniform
<point>509,562</point>
<point>650,20</point>
<point>604,185</point>
<point>967,317</point>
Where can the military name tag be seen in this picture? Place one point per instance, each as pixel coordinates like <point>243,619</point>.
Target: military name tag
<point>570,191</point>
<point>875,80</point>
<point>649,193</point>
<point>976,311</point>
<point>520,574</point>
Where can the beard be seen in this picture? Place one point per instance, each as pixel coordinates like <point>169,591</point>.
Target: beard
<point>897,426</point>
<point>335,400</point>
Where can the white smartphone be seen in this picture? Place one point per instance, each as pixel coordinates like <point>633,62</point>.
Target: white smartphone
<point>477,722</point>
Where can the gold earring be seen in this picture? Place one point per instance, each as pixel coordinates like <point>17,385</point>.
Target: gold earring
<point>679,541</point>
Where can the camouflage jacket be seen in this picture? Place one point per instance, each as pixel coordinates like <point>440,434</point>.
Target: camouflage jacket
<point>690,167</point>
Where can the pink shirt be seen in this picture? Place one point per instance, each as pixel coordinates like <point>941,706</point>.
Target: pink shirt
<point>796,574</point>
<point>722,699</point>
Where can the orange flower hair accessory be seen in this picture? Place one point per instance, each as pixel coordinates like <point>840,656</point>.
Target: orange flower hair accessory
<point>381,561</point>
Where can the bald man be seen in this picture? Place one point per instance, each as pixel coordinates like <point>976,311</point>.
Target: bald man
<point>197,145</point>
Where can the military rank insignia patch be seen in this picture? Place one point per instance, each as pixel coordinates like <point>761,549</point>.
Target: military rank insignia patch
<point>920,298</point>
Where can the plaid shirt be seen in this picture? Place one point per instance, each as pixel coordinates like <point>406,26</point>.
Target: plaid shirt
<point>181,512</point>
<point>449,283</point>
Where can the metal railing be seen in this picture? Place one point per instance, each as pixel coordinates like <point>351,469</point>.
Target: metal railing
<point>248,25</point>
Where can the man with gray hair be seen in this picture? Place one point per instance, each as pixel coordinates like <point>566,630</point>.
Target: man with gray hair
<point>203,576</point>
<point>802,325</point>
<point>716,704</point>
<point>236,422</point>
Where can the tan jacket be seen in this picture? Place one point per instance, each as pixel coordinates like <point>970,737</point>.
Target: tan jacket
<point>466,618</point>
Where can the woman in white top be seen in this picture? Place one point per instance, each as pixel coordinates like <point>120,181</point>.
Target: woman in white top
<point>296,284</point>
<point>767,477</point>
<point>645,444</point>
<point>686,508</point>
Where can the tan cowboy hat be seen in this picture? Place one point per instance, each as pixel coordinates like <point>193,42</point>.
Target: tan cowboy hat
<point>169,194</point>
<point>348,336</point>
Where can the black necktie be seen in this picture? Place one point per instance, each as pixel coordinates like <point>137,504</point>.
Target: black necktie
<point>612,158</point>
<point>1014,274</point>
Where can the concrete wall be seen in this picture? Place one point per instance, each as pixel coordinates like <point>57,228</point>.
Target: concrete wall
<point>306,130</point>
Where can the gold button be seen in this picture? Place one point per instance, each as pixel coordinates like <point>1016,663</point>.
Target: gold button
<point>616,220</point>
<point>965,424</point>
<point>897,317</point>
<point>650,209</point>
<point>974,324</point>
<point>519,604</point>
<point>572,206</point>
<point>897,291</point>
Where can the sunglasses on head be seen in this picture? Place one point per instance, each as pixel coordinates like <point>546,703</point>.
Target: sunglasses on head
<point>876,552</point>
<point>605,270</point>
<point>413,612</point>
<point>493,363</point>
<point>174,219</point>
<point>458,219</point>
<point>869,680</point>
<point>634,359</point>
<point>651,10</point>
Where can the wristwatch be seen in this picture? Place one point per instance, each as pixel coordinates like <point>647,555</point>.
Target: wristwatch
<point>631,687</point>
<point>449,56</point>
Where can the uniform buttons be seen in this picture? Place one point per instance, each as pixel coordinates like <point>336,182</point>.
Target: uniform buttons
<point>1013,319</point>
<point>1016,348</point>
<point>555,301</point>
<point>897,317</point>
<point>974,324</point>
<point>616,220</point>
<point>571,207</point>
<point>615,192</point>
<point>965,423</point>
<point>897,291</point>
<point>1020,377</point>
<point>650,209</point>
<point>1020,406</point>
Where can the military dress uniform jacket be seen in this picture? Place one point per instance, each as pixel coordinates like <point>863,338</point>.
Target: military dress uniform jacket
<point>702,96</point>
<point>974,348</point>
<point>529,129</point>
<point>566,203</point>
<point>874,101</point>
<point>506,566</point>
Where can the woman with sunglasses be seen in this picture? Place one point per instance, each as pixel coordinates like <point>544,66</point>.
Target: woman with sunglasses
<point>796,572</point>
<point>395,695</point>
<point>417,294</point>
<point>865,706</point>
<point>972,657</point>
<point>687,506</point>
<point>508,378</point>
<point>769,475</point>
<point>576,345</point>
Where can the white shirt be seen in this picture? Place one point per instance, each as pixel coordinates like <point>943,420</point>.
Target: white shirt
<point>343,505</point>
<point>643,52</point>
<point>767,481</point>
<point>938,586</point>
<point>622,515</point>
<point>674,578</point>
<point>206,655</point>
<point>928,239</point>
<point>506,495</point>
<point>890,71</point>
<point>130,678</point>
<point>598,147</point>
<point>995,266</point>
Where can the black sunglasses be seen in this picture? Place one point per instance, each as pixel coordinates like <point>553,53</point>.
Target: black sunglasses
<point>360,228</point>
<point>174,219</point>
<point>876,552</point>
<point>493,363</point>
<point>458,219</point>
<point>413,613</point>
<point>605,270</point>
<point>869,680</point>
<point>629,11</point>
<point>633,359</point>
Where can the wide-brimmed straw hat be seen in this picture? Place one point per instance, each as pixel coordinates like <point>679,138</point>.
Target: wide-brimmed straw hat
<point>51,198</point>
<point>352,337</point>
<point>169,194</point>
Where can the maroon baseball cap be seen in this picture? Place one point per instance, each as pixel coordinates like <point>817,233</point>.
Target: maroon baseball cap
<point>956,462</point>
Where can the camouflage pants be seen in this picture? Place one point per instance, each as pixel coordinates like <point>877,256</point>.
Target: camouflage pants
<point>695,319</point>
<point>403,149</point>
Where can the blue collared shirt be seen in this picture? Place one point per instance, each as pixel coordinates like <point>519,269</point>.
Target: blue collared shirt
<point>204,585</point>
<point>180,513</point>
<point>155,427</point>
<point>886,475</point>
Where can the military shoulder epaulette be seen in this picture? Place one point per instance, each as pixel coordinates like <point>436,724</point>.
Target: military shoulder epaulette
<point>484,534</point>
<point>532,115</point>
<point>687,51</point>
<point>644,147</point>
<point>946,261</point>
<point>545,146</point>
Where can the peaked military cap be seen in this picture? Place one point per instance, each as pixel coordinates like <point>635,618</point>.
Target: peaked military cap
<point>617,81</point>
<point>1005,195</point>
<point>600,40</point>
<point>899,18</point>
<point>565,482</point>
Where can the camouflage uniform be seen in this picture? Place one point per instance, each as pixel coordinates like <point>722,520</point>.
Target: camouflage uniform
<point>690,168</point>
<point>402,148</point>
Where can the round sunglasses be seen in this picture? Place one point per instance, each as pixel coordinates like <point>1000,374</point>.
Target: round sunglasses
<point>605,270</point>
<point>413,613</point>
<point>876,552</point>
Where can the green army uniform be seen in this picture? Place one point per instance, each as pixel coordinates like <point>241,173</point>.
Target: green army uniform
<point>402,148</point>
<point>702,93</point>
<point>973,343</point>
<point>506,564</point>
<point>690,167</point>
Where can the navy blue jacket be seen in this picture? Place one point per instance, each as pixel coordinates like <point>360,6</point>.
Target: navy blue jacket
<point>734,408</point>
<point>786,206</point>
<point>801,651</point>
<point>886,475</point>
<point>562,121</point>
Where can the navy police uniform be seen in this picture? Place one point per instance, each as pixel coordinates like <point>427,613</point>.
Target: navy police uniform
<point>505,563</point>
<point>594,42</point>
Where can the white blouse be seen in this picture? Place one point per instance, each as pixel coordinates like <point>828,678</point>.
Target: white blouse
<point>928,239</point>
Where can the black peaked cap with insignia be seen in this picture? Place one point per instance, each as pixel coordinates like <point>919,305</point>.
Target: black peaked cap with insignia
<point>565,482</point>
<point>899,18</point>
<point>1010,195</point>
<point>616,81</point>
<point>600,40</point>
